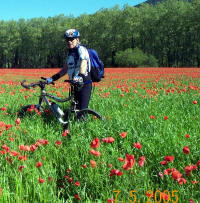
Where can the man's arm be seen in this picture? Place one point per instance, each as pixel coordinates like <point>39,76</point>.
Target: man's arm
<point>82,71</point>
<point>61,73</point>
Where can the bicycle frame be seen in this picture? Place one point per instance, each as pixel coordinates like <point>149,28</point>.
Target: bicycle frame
<point>43,98</point>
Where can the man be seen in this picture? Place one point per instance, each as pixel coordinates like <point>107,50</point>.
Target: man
<point>77,67</point>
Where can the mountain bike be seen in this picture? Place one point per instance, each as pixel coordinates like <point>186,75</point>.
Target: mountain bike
<point>62,117</point>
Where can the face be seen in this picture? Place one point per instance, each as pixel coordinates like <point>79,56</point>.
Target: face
<point>72,42</point>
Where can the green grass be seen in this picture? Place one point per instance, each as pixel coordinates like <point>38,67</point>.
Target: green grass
<point>129,113</point>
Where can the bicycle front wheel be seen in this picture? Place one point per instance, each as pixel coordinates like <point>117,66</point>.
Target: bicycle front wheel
<point>86,114</point>
<point>26,109</point>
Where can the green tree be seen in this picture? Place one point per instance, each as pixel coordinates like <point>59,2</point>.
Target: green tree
<point>134,58</point>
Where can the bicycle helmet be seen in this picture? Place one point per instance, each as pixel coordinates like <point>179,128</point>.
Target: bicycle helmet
<point>71,33</point>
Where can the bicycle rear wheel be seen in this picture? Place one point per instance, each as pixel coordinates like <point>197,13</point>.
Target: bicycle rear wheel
<point>86,114</point>
<point>28,108</point>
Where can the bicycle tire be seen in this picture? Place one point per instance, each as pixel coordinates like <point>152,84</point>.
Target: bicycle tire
<point>84,112</point>
<point>24,110</point>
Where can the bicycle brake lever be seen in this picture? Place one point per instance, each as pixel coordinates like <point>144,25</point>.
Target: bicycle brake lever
<point>43,78</point>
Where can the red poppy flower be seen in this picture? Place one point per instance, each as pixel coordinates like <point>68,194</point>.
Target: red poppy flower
<point>30,109</point>
<point>115,172</point>
<point>109,165</point>
<point>2,152</point>
<point>142,158</point>
<point>120,159</point>
<point>129,162</point>
<point>18,121</point>
<point>3,108</point>
<point>38,144</point>
<point>2,124</point>
<point>182,181</point>
<point>165,117</point>
<point>58,143</point>
<point>198,163</point>
<point>93,163</point>
<point>33,147</point>
<point>84,166</point>
<point>186,150</point>
<point>20,168</point>
<point>168,171</point>
<point>26,148</point>
<point>194,182</point>
<point>164,196</point>
<point>77,183</point>
<point>14,153</point>
<point>190,168</point>
<point>9,160</point>
<point>137,145</point>
<point>8,127</point>
<point>5,147</point>
<point>187,135</point>
<point>194,102</point>
<point>160,174</point>
<point>50,179</point>
<point>95,143</point>
<point>41,180</point>
<point>70,180</point>
<point>176,175</point>
<point>152,117</point>
<point>1,191</point>
<point>108,140</point>
<point>65,133</point>
<point>11,139</point>
<point>95,153</point>
<point>169,158</point>
<point>141,161</point>
<point>45,142</point>
<point>123,134</point>
<point>77,197</point>
<point>22,158</point>
<point>38,164</point>
<point>111,200</point>
<point>149,194</point>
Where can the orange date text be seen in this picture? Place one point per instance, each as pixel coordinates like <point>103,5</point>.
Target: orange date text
<point>152,197</point>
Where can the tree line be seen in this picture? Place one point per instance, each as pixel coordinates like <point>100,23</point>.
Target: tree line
<point>166,35</point>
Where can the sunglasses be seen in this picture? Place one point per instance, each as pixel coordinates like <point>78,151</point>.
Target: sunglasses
<point>70,39</point>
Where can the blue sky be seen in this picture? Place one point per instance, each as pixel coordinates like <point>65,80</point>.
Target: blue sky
<point>16,9</point>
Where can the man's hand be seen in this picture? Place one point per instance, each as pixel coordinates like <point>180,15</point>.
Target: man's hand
<point>49,80</point>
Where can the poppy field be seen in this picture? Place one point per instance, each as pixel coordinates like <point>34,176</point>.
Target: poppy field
<point>147,150</point>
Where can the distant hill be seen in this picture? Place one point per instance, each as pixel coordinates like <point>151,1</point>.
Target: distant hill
<point>153,2</point>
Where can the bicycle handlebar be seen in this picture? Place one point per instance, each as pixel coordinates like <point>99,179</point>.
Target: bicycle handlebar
<point>42,84</point>
<point>33,84</point>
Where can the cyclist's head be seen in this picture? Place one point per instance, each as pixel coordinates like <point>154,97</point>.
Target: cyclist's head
<point>72,38</point>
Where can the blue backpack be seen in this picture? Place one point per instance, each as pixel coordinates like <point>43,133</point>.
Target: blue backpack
<point>97,66</point>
